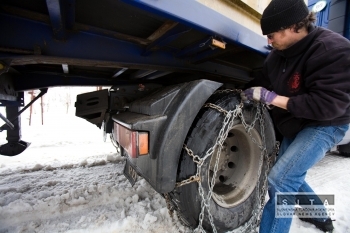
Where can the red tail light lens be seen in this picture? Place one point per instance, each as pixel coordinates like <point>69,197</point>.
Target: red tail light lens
<point>134,142</point>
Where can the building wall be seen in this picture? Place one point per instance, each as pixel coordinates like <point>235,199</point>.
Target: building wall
<point>245,12</point>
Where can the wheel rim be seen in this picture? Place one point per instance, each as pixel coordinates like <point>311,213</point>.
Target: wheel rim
<point>238,167</point>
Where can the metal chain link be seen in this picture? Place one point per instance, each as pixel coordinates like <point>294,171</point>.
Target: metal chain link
<point>169,205</point>
<point>228,123</point>
<point>220,109</point>
<point>226,91</point>
<point>195,158</point>
<point>188,181</point>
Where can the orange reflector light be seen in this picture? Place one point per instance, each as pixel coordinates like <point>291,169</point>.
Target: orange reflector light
<point>219,44</point>
<point>143,143</point>
<point>135,143</point>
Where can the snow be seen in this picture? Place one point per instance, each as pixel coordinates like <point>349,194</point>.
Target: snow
<point>69,180</point>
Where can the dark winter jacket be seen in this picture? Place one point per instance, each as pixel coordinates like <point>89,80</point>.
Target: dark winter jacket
<point>315,74</point>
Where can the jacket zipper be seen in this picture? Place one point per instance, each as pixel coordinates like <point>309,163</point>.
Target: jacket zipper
<point>285,65</point>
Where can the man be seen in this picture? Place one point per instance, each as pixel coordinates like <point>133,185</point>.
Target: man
<point>306,81</point>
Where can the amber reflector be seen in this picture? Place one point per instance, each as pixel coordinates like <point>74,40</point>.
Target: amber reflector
<point>135,143</point>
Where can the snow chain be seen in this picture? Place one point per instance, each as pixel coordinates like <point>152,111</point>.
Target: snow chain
<point>170,207</point>
<point>230,116</point>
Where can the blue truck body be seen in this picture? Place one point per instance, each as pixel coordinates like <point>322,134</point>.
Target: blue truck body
<point>75,33</point>
<point>80,33</point>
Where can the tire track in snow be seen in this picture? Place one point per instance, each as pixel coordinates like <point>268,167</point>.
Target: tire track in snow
<point>81,198</point>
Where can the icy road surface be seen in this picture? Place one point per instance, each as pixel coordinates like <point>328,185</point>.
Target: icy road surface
<point>71,181</point>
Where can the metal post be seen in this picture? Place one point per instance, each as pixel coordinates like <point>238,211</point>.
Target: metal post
<point>31,107</point>
<point>42,110</point>
<point>15,134</point>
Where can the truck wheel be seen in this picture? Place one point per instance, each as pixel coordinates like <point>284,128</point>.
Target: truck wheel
<point>235,190</point>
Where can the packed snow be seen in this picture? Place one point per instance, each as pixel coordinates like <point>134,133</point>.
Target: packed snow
<point>69,180</point>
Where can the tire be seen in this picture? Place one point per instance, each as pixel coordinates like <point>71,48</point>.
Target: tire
<point>344,150</point>
<point>235,190</point>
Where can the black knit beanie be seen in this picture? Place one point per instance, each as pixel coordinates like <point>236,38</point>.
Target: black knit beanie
<point>281,14</point>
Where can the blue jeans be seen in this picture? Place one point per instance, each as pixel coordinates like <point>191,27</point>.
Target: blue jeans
<point>296,156</point>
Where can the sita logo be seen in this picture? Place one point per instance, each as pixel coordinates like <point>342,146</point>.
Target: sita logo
<point>319,6</point>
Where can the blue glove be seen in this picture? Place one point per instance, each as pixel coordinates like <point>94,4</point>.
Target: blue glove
<point>259,94</point>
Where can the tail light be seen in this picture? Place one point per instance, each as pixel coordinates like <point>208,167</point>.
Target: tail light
<point>134,142</point>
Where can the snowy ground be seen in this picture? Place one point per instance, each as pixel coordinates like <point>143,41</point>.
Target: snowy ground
<point>69,180</point>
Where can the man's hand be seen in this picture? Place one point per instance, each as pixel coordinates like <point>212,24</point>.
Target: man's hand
<point>259,94</point>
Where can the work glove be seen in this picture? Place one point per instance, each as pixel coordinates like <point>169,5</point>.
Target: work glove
<point>258,94</point>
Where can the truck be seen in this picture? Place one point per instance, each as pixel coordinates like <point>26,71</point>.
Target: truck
<point>175,71</point>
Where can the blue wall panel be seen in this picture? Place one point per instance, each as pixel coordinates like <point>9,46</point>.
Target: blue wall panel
<point>335,16</point>
<point>322,16</point>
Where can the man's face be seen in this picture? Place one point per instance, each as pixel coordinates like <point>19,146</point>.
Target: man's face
<point>282,39</point>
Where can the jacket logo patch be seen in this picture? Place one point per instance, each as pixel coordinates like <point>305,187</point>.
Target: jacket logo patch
<point>294,82</point>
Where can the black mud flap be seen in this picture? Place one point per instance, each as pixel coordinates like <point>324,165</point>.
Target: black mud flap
<point>130,173</point>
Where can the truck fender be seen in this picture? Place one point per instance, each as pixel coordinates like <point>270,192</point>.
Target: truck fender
<point>167,115</point>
